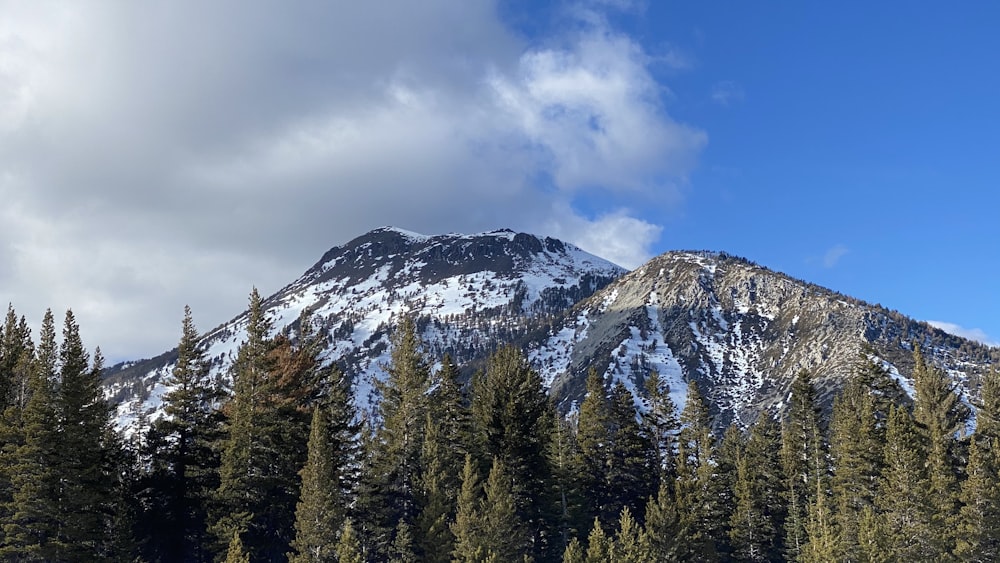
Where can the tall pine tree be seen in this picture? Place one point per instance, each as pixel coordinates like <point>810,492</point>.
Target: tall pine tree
<point>697,487</point>
<point>803,461</point>
<point>393,470</point>
<point>512,414</point>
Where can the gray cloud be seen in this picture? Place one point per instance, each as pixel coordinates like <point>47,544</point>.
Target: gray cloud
<point>162,153</point>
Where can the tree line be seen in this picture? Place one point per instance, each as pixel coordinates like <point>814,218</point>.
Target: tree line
<point>275,464</point>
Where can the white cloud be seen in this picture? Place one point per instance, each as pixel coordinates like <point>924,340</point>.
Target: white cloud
<point>976,334</point>
<point>727,93</point>
<point>833,256</point>
<point>617,236</point>
<point>156,154</point>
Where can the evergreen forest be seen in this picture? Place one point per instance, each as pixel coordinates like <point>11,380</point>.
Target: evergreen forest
<point>273,463</point>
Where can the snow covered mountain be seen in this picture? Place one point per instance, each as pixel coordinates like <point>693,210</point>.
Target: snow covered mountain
<point>468,294</point>
<point>742,331</point>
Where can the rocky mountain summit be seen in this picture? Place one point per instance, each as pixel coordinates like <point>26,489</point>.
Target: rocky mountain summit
<point>738,329</point>
<point>468,294</point>
<point>742,332</point>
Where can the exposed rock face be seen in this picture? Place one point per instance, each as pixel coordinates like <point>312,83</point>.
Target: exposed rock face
<point>741,331</point>
<point>468,293</point>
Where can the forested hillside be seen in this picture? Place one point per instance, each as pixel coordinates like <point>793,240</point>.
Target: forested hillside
<point>279,465</point>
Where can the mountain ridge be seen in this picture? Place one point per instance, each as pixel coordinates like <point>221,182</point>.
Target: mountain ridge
<point>740,329</point>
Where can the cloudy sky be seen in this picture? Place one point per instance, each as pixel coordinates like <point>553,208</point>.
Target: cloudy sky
<point>157,154</point>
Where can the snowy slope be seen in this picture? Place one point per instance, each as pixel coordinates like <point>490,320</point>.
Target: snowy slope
<point>741,331</point>
<point>469,293</point>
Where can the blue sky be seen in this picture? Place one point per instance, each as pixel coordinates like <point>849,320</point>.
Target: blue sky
<point>161,153</point>
<point>851,144</point>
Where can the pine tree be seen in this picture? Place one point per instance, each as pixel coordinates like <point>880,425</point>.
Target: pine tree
<point>266,443</point>
<point>856,452</point>
<point>320,512</point>
<point>511,416</point>
<point>988,409</point>
<point>468,525</point>
<point>568,475</point>
<point>599,545</point>
<point>821,537</point>
<point>32,530</point>
<point>659,423</point>
<point>978,532</point>
<point>631,544</point>
<point>697,487</point>
<point>939,415</point>
<point>16,355</point>
<point>86,489</point>
<point>503,534</point>
<point>184,464</point>
<point>755,520</point>
<point>593,436</point>
<point>978,529</point>
<point>631,466</point>
<point>434,537</point>
<point>348,548</point>
<point>403,549</point>
<point>447,435</point>
<point>574,552</point>
<point>391,477</point>
<point>662,525</point>
<point>236,552</point>
<point>803,461</point>
<point>904,503</point>
<point>240,471</point>
<point>449,406</point>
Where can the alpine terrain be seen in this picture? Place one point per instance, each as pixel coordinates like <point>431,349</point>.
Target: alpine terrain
<point>468,294</point>
<point>739,330</point>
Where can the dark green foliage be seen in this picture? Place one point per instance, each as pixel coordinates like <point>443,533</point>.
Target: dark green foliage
<point>16,356</point>
<point>659,423</point>
<point>31,533</point>
<point>391,493</point>
<point>447,434</point>
<point>593,437</point>
<point>512,416</point>
<point>568,475</point>
<point>348,547</point>
<point>68,472</point>
<point>939,415</point>
<point>803,461</point>
<point>86,487</point>
<point>978,531</point>
<point>631,463</point>
<point>755,522</point>
<point>182,462</point>
<point>904,503</point>
<point>436,497</point>
<point>663,525</point>
<point>856,452</point>
<point>697,488</point>
<point>320,512</point>
<point>266,443</point>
